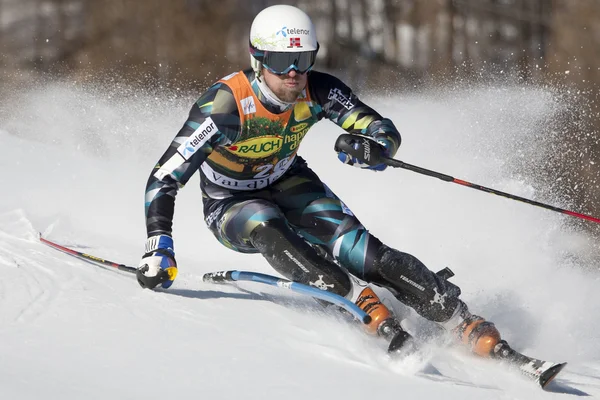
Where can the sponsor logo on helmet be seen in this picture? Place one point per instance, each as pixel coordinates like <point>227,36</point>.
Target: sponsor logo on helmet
<point>296,31</point>
<point>261,147</point>
<point>285,31</point>
<point>294,42</point>
<point>282,32</point>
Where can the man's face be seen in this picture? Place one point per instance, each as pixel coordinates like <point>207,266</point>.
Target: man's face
<point>286,87</point>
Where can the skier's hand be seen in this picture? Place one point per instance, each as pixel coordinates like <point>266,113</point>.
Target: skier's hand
<point>362,152</point>
<point>158,266</point>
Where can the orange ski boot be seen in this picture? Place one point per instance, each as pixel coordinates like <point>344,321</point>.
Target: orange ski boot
<point>383,323</point>
<point>479,335</point>
<point>381,319</point>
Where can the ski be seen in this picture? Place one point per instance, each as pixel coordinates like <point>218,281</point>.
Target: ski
<point>234,276</point>
<point>540,371</point>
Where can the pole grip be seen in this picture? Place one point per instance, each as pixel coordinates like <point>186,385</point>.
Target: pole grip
<point>364,148</point>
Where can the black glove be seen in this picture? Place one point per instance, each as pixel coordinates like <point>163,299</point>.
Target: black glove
<point>362,151</point>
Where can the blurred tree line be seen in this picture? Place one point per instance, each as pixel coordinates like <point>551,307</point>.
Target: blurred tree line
<point>369,43</point>
<point>400,39</point>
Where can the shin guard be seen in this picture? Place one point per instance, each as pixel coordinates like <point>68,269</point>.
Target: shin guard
<point>295,259</point>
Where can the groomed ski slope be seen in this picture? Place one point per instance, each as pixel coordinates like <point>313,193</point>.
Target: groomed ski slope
<point>74,165</point>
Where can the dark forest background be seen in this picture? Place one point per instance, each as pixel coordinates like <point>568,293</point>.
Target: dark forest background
<point>371,44</point>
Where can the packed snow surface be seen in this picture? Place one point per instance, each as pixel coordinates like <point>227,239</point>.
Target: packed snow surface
<point>75,161</point>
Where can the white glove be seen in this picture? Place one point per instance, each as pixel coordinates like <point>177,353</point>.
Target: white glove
<point>158,265</point>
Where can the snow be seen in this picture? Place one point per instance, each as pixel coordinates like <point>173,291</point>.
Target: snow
<point>75,162</point>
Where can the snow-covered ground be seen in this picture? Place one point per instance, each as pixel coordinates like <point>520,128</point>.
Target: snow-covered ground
<point>74,165</point>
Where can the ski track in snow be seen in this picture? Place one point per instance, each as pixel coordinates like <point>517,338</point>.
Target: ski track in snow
<point>32,294</point>
<point>72,330</point>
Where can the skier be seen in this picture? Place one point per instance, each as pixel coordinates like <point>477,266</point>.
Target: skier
<point>259,195</point>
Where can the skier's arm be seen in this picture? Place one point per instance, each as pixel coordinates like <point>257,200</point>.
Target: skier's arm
<point>340,105</point>
<point>208,125</point>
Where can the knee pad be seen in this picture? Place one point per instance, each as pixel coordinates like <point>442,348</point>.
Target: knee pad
<point>295,259</point>
<point>428,293</point>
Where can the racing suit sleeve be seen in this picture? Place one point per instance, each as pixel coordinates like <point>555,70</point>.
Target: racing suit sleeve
<point>211,122</point>
<point>339,104</point>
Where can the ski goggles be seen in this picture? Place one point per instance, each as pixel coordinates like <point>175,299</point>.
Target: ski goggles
<point>281,63</point>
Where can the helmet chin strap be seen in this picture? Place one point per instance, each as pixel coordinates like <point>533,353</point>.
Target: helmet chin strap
<point>268,94</point>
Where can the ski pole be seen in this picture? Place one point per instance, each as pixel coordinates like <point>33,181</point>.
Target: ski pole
<point>88,257</point>
<point>232,276</point>
<point>372,154</point>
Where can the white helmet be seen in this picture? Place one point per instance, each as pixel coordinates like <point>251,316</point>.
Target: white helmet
<point>283,29</point>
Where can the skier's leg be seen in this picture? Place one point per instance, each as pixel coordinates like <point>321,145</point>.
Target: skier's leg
<point>294,258</point>
<point>433,297</point>
<point>257,225</point>
<point>317,215</point>
<point>323,219</point>
<point>252,223</point>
